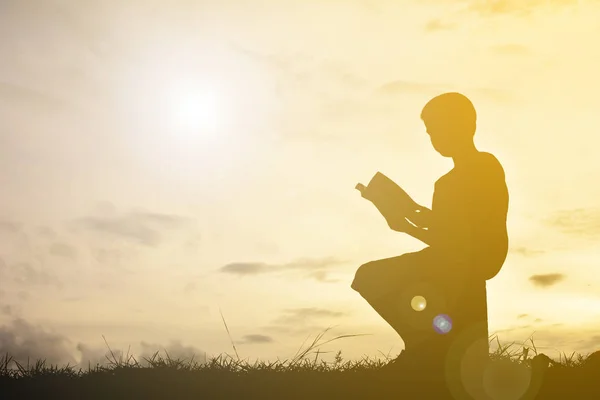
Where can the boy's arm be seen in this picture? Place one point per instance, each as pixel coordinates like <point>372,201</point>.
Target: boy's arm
<point>419,233</point>
<point>421,217</point>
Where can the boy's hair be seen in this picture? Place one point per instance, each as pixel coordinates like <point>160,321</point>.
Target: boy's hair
<point>452,108</point>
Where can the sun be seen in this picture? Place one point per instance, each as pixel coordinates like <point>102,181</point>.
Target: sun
<point>196,111</point>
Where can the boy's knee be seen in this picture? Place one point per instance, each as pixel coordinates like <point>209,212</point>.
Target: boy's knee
<point>361,276</point>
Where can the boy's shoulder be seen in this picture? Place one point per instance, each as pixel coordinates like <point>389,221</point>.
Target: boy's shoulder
<point>484,166</point>
<point>488,162</point>
<point>488,157</point>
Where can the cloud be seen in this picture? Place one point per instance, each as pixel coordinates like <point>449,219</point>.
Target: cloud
<point>190,287</point>
<point>437,24</point>
<point>9,226</point>
<point>578,222</point>
<point>300,76</point>
<point>63,250</point>
<point>513,328</point>
<point>47,232</point>
<point>526,252</point>
<point>555,342</point>
<point>256,339</point>
<point>497,95</point>
<point>30,97</point>
<point>23,295</point>
<point>343,109</point>
<point>593,342</point>
<point>560,338</point>
<point>514,7</point>
<point>313,268</point>
<point>26,274</point>
<point>303,315</point>
<point>175,350</point>
<point>321,276</point>
<point>527,316</point>
<point>91,356</point>
<point>402,87</point>
<point>546,280</point>
<point>277,62</point>
<point>125,228</point>
<point>162,220</point>
<point>296,330</point>
<point>193,242</point>
<point>141,227</point>
<point>313,263</point>
<point>511,49</point>
<point>72,299</point>
<point>22,340</point>
<point>6,309</point>
<point>110,256</point>
<point>247,268</point>
<point>490,8</point>
<point>301,69</point>
<point>302,321</point>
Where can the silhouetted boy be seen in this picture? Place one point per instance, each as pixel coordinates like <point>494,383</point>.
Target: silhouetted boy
<point>465,231</point>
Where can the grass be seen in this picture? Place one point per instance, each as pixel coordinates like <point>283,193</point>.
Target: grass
<point>304,376</point>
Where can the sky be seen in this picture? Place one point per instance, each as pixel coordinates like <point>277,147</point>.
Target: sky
<point>167,165</point>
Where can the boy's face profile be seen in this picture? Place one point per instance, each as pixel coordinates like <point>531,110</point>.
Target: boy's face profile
<point>442,140</point>
<point>450,121</point>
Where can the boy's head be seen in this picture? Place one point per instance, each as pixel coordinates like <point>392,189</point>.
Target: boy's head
<point>451,120</point>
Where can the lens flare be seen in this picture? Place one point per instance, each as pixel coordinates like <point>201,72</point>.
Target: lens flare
<point>503,379</point>
<point>418,303</point>
<point>442,324</point>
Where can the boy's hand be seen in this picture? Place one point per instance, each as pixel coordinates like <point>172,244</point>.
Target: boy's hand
<point>404,225</point>
<point>400,224</point>
<point>421,217</point>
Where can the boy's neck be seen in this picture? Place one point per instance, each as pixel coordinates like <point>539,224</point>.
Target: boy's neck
<point>465,155</point>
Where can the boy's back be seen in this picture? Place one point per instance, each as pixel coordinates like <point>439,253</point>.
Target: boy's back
<point>470,205</point>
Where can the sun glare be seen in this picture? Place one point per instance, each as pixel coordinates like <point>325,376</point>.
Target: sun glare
<point>197,112</point>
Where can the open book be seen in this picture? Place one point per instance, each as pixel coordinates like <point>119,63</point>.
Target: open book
<point>389,198</point>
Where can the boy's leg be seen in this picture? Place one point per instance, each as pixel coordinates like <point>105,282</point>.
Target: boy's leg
<point>425,349</point>
<point>389,285</point>
<point>396,287</point>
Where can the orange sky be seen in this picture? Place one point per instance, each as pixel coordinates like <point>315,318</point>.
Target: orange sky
<point>120,207</point>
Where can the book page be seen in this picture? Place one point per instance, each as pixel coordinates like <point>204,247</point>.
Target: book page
<point>389,198</point>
